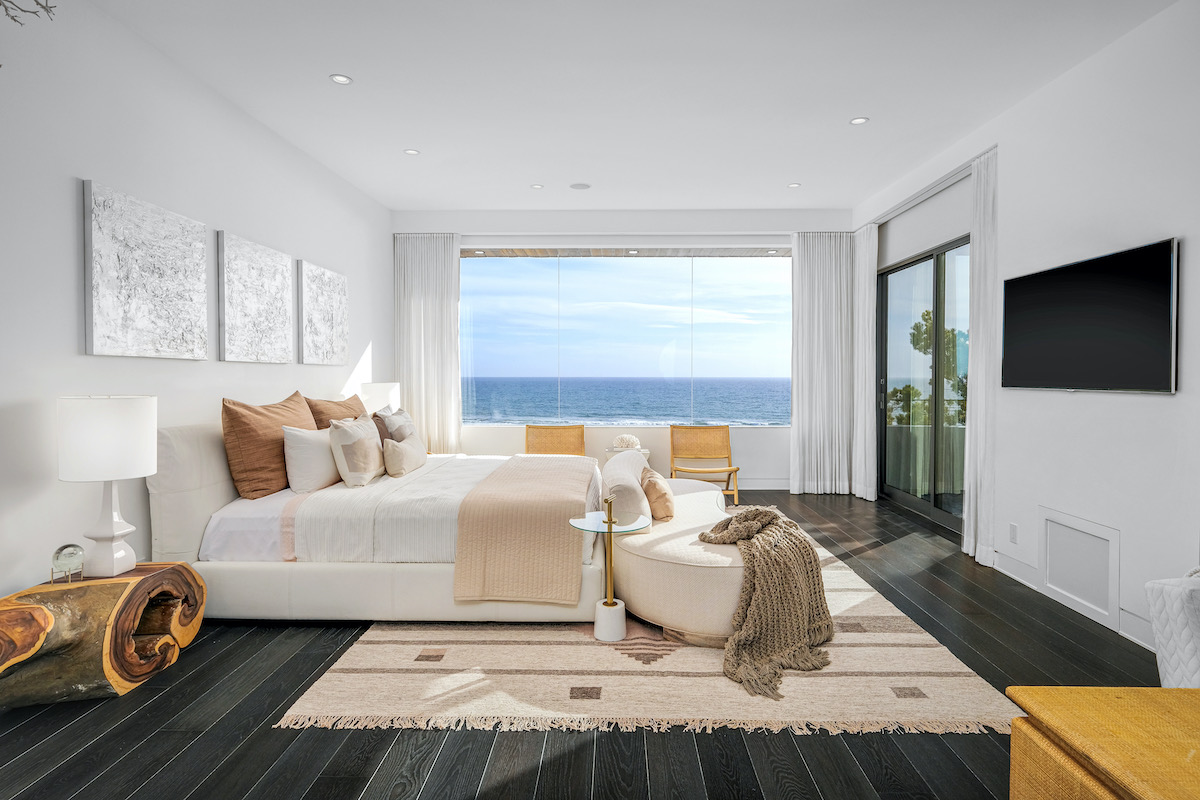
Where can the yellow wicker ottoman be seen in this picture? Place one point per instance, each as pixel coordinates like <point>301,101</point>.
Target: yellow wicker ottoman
<point>1084,743</point>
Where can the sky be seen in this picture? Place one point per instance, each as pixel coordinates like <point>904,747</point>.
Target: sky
<point>626,317</point>
<point>909,292</point>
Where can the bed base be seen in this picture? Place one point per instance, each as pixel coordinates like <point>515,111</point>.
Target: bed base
<point>193,481</point>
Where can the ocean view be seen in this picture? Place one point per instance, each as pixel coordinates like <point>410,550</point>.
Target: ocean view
<point>626,401</point>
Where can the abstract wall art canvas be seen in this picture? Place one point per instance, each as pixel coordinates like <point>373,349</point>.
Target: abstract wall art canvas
<point>324,315</point>
<point>257,303</point>
<point>145,278</point>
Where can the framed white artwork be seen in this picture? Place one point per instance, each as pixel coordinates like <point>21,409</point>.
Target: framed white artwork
<point>256,301</point>
<point>324,315</point>
<point>145,278</point>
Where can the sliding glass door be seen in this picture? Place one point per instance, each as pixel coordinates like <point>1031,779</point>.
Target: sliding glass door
<point>924,324</point>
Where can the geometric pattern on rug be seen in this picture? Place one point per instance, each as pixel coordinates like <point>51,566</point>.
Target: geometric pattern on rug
<point>885,674</point>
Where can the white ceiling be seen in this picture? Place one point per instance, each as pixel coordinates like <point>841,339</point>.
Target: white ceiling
<point>658,104</point>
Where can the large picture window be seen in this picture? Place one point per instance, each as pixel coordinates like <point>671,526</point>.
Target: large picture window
<point>629,340</point>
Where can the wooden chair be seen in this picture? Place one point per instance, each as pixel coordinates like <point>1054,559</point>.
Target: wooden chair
<point>566,440</point>
<point>702,442</point>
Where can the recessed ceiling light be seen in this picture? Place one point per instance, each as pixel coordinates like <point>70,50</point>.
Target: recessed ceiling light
<point>772,252</point>
<point>337,77</point>
<point>581,186</point>
<point>633,252</point>
<point>536,186</point>
<point>478,252</point>
<point>412,152</point>
<point>859,120</point>
<point>793,186</point>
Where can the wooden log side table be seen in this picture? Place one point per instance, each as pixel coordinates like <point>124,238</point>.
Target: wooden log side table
<point>1089,743</point>
<point>96,637</point>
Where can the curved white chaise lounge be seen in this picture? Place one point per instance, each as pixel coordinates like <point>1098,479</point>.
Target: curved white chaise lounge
<point>665,574</point>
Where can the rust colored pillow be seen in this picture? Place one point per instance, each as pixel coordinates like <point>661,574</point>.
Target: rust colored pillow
<point>324,411</point>
<point>254,442</point>
<point>658,492</point>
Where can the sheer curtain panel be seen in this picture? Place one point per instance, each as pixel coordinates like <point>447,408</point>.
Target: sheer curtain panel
<point>864,449</point>
<point>427,336</point>
<point>983,368</point>
<point>822,367</point>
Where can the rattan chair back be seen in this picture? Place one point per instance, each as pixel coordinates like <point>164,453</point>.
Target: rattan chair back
<point>704,442</point>
<point>564,440</point>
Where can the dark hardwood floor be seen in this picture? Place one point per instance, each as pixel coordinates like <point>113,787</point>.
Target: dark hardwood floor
<point>202,729</point>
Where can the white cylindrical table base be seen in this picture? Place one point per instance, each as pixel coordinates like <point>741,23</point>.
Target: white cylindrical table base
<point>610,621</point>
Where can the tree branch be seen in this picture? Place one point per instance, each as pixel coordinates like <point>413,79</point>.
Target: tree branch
<point>11,10</point>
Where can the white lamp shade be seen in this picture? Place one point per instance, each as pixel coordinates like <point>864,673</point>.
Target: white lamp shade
<point>107,438</point>
<point>377,395</point>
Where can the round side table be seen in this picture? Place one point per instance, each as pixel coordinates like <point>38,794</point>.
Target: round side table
<point>610,612</point>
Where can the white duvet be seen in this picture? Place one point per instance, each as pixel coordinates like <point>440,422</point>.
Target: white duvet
<point>411,519</point>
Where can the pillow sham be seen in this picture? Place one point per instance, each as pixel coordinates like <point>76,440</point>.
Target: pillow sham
<point>357,450</point>
<point>623,481</point>
<point>254,442</point>
<point>325,411</point>
<point>658,495</point>
<point>402,457</point>
<point>308,457</point>
<point>399,425</point>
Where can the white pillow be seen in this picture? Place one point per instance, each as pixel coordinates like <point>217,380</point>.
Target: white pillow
<point>402,457</point>
<point>399,424</point>
<point>308,459</point>
<point>357,450</point>
<point>623,481</point>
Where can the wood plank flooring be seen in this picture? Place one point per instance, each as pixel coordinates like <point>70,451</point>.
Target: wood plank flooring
<point>202,729</point>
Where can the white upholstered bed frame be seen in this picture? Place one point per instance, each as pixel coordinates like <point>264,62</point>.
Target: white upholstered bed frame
<point>193,481</point>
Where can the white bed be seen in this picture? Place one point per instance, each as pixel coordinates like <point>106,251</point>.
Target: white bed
<point>241,557</point>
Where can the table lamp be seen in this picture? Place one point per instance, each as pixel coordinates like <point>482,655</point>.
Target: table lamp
<point>378,395</point>
<point>107,439</point>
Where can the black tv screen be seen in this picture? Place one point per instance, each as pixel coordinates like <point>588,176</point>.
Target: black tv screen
<point>1105,323</point>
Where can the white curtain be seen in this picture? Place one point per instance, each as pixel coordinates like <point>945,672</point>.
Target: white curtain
<point>864,452</point>
<point>427,367</point>
<point>983,368</point>
<point>822,367</point>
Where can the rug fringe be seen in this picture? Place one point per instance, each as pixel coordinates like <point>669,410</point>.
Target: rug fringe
<point>636,723</point>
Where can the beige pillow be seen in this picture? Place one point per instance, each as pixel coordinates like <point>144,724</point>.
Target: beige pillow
<point>356,450</point>
<point>254,442</point>
<point>658,492</point>
<point>325,411</point>
<point>402,457</point>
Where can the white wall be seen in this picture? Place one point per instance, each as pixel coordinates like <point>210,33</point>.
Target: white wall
<point>1102,159</point>
<point>761,453</point>
<point>81,97</point>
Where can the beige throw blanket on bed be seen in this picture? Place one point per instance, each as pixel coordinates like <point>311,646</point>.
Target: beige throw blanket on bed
<point>782,614</point>
<point>515,540</point>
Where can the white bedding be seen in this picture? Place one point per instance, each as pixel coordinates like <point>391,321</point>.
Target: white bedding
<point>411,519</point>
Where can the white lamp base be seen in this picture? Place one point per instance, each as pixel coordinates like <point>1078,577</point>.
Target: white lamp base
<point>610,621</point>
<point>110,555</point>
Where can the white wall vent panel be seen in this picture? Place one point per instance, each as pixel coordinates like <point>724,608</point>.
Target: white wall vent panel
<point>1081,565</point>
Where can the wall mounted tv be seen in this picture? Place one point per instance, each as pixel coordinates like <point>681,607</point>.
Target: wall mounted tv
<point>1106,323</point>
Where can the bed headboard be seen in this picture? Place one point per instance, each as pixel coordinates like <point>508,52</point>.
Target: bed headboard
<point>192,482</point>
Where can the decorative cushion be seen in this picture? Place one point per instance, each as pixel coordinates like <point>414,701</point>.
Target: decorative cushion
<point>309,459</point>
<point>397,425</point>
<point>623,482</point>
<point>325,411</point>
<point>658,494</point>
<point>254,442</point>
<point>402,457</point>
<point>357,450</point>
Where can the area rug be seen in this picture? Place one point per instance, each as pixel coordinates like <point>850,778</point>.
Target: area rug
<point>886,674</point>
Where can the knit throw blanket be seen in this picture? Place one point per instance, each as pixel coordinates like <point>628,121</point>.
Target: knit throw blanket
<point>781,614</point>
